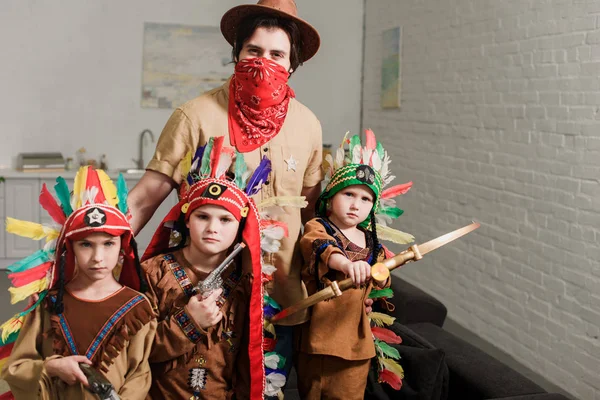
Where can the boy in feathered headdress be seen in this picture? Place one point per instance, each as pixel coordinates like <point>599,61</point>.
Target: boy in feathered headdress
<point>212,345</point>
<point>337,344</point>
<point>88,309</point>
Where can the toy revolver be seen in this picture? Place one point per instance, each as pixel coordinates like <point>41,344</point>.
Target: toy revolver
<point>214,280</point>
<point>98,384</point>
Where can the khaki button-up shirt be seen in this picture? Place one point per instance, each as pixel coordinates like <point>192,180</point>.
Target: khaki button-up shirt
<point>299,142</point>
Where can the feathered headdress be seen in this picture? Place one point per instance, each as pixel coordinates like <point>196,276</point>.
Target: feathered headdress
<point>95,205</point>
<point>365,165</point>
<point>218,175</point>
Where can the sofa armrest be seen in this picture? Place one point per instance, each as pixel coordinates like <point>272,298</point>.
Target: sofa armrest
<point>413,305</point>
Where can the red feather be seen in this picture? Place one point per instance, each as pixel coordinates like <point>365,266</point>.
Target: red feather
<point>269,344</point>
<point>19,279</point>
<point>215,154</point>
<point>371,142</point>
<point>396,190</point>
<point>7,396</point>
<point>93,180</point>
<point>48,202</point>
<point>6,350</point>
<point>390,378</point>
<point>386,335</point>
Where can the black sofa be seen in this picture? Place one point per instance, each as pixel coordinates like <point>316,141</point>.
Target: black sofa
<point>471,373</point>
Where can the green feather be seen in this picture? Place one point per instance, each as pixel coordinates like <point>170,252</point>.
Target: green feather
<point>205,163</point>
<point>393,212</point>
<point>122,193</point>
<point>354,141</point>
<point>281,361</point>
<point>387,349</point>
<point>381,293</point>
<point>380,150</point>
<point>33,260</point>
<point>10,339</point>
<point>271,302</point>
<point>240,169</point>
<point>64,195</point>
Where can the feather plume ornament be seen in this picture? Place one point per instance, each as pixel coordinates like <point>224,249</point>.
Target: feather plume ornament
<point>31,230</point>
<point>49,204</point>
<point>122,193</point>
<point>108,187</point>
<point>392,366</point>
<point>258,177</point>
<point>340,153</point>
<point>79,187</point>
<point>381,319</point>
<point>370,141</point>
<point>186,164</point>
<point>355,150</point>
<point>385,335</point>
<point>240,170</point>
<point>215,154</point>
<point>18,294</point>
<point>23,278</point>
<point>396,190</point>
<point>225,161</point>
<point>64,195</point>
<point>381,293</point>
<point>205,162</point>
<point>394,235</point>
<point>387,376</point>
<point>31,261</point>
<point>387,350</point>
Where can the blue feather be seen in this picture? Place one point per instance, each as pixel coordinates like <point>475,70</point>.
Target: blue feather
<point>259,176</point>
<point>196,160</point>
<point>64,195</point>
<point>122,193</point>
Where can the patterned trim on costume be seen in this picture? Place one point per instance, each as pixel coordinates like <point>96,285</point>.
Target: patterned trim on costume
<point>182,278</point>
<point>67,334</point>
<point>120,313</point>
<point>187,326</point>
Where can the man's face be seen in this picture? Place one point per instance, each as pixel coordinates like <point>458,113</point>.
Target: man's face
<point>273,44</point>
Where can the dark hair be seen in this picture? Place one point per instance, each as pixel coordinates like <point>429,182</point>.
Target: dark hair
<point>138,266</point>
<point>248,26</point>
<point>374,238</point>
<point>58,306</point>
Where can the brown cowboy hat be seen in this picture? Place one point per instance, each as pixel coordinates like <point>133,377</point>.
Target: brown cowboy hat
<point>280,8</point>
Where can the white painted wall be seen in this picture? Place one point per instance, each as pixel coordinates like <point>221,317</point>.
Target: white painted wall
<point>500,123</point>
<point>71,72</point>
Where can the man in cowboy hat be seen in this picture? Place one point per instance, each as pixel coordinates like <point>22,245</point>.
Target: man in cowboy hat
<point>260,117</point>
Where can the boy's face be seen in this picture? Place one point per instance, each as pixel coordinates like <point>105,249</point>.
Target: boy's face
<point>97,255</point>
<point>212,229</point>
<point>351,206</point>
<point>273,44</point>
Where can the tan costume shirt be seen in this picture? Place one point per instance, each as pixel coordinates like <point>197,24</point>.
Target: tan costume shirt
<point>296,157</point>
<point>121,353</point>
<point>338,327</point>
<point>216,358</point>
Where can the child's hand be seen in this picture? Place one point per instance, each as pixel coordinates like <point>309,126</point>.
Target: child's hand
<point>205,312</point>
<point>358,271</point>
<point>67,369</point>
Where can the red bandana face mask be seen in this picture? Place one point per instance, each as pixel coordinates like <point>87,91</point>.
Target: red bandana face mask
<point>258,102</point>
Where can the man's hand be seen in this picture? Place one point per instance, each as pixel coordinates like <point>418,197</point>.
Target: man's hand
<point>205,312</point>
<point>67,369</point>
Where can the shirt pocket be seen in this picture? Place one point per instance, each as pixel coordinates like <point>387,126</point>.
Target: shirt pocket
<point>290,167</point>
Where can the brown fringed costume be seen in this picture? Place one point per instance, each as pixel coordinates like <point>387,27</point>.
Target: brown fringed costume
<point>335,345</point>
<point>185,358</point>
<point>115,333</point>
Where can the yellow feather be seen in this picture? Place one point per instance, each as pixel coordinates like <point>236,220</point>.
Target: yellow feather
<point>269,327</point>
<point>2,362</point>
<point>284,201</point>
<point>394,235</point>
<point>79,186</point>
<point>186,165</point>
<point>108,187</point>
<point>12,325</point>
<point>393,366</point>
<point>381,319</point>
<point>26,229</point>
<point>21,293</point>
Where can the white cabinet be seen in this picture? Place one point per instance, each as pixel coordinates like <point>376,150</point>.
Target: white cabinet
<point>21,202</point>
<point>19,198</point>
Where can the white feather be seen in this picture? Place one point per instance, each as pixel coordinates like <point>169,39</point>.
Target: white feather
<point>223,165</point>
<point>274,384</point>
<point>268,269</point>
<point>356,153</point>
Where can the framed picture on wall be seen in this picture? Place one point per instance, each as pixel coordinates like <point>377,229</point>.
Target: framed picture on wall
<point>181,62</point>
<point>391,68</point>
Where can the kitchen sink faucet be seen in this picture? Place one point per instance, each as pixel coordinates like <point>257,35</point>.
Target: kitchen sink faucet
<point>140,161</point>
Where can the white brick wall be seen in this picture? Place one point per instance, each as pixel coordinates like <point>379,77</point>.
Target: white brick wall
<point>500,122</point>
